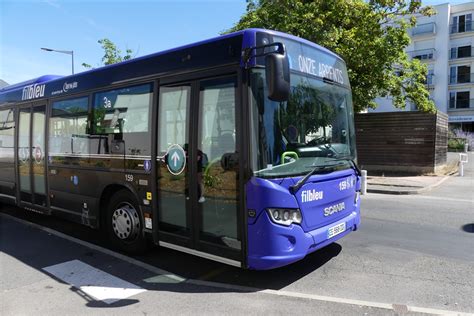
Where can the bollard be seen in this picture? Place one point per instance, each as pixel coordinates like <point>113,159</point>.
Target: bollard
<point>466,147</point>
<point>462,160</point>
<point>363,182</point>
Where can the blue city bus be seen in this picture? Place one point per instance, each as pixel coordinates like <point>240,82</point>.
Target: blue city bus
<point>239,149</point>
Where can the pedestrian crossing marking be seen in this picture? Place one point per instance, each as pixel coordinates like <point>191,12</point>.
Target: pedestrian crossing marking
<point>95,283</point>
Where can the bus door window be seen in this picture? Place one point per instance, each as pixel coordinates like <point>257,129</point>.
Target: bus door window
<point>24,150</point>
<point>7,154</point>
<point>217,143</point>
<point>173,130</point>
<point>38,154</point>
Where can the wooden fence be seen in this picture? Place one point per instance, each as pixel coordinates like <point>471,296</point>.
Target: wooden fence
<point>405,142</point>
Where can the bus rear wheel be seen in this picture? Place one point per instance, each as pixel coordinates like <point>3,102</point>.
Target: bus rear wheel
<point>124,223</point>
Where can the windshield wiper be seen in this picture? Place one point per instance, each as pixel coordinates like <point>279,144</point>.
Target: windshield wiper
<point>299,184</point>
<point>352,163</point>
<point>328,80</point>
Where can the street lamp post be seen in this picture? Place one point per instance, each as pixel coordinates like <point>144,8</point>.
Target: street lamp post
<point>68,52</point>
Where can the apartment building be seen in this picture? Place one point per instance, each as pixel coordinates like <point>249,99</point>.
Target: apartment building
<point>445,42</point>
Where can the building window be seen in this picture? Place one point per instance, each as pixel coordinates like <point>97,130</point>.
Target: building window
<point>429,77</point>
<point>459,99</point>
<point>462,23</point>
<point>424,56</point>
<point>460,74</point>
<point>461,52</point>
<point>464,51</point>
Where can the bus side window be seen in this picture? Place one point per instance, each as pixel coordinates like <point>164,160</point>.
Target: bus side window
<point>122,116</point>
<point>68,127</point>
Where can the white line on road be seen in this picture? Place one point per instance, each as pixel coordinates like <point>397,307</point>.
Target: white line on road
<point>417,196</point>
<point>239,288</point>
<point>95,283</point>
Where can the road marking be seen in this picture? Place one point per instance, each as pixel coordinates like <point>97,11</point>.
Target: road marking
<point>427,197</point>
<point>315,297</point>
<point>95,283</point>
<point>238,288</point>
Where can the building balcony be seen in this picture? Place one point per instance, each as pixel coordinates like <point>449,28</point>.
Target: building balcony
<point>461,104</point>
<point>423,54</point>
<point>463,27</point>
<point>421,29</point>
<point>461,78</point>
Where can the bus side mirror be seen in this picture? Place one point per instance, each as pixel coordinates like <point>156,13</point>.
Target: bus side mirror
<point>277,73</point>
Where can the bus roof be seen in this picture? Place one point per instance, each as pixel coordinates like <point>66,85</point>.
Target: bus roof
<point>225,49</point>
<point>22,84</point>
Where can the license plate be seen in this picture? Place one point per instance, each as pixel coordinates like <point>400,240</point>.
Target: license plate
<point>336,230</point>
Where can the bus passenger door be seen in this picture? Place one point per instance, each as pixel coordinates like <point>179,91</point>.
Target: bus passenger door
<point>172,170</point>
<point>217,169</point>
<point>197,168</point>
<point>31,157</point>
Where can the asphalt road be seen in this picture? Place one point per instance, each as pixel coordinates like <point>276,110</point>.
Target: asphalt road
<point>411,251</point>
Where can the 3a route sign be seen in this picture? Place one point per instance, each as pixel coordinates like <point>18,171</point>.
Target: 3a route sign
<point>176,161</point>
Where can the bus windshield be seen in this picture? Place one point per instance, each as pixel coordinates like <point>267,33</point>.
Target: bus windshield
<point>314,128</point>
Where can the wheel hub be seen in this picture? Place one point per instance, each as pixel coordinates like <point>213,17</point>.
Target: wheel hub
<point>125,222</point>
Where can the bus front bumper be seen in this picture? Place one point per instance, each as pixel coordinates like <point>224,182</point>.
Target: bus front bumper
<point>272,246</point>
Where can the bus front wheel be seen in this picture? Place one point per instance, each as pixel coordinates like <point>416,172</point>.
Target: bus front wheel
<point>124,223</point>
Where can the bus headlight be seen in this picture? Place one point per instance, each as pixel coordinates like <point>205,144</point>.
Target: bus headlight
<point>285,216</point>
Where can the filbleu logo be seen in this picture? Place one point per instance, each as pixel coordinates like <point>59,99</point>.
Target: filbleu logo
<point>33,91</point>
<point>311,195</point>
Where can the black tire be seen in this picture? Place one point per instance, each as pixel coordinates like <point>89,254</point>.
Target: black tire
<point>124,223</point>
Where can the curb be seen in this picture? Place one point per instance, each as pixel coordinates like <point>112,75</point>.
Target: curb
<point>409,192</point>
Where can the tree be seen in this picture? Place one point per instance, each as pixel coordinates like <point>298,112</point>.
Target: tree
<point>370,36</point>
<point>112,54</point>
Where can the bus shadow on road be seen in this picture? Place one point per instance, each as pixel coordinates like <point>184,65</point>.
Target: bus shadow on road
<point>281,277</point>
<point>226,279</point>
<point>208,271</point>
<point>468,228</point>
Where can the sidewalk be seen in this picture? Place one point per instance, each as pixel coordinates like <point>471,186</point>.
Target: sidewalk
<point>413,184</point>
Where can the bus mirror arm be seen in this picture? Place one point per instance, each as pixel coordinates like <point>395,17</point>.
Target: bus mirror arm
<point>277,69</point>
<point>247,52</point>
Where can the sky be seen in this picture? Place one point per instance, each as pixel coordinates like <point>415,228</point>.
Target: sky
<point>145,26</point>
